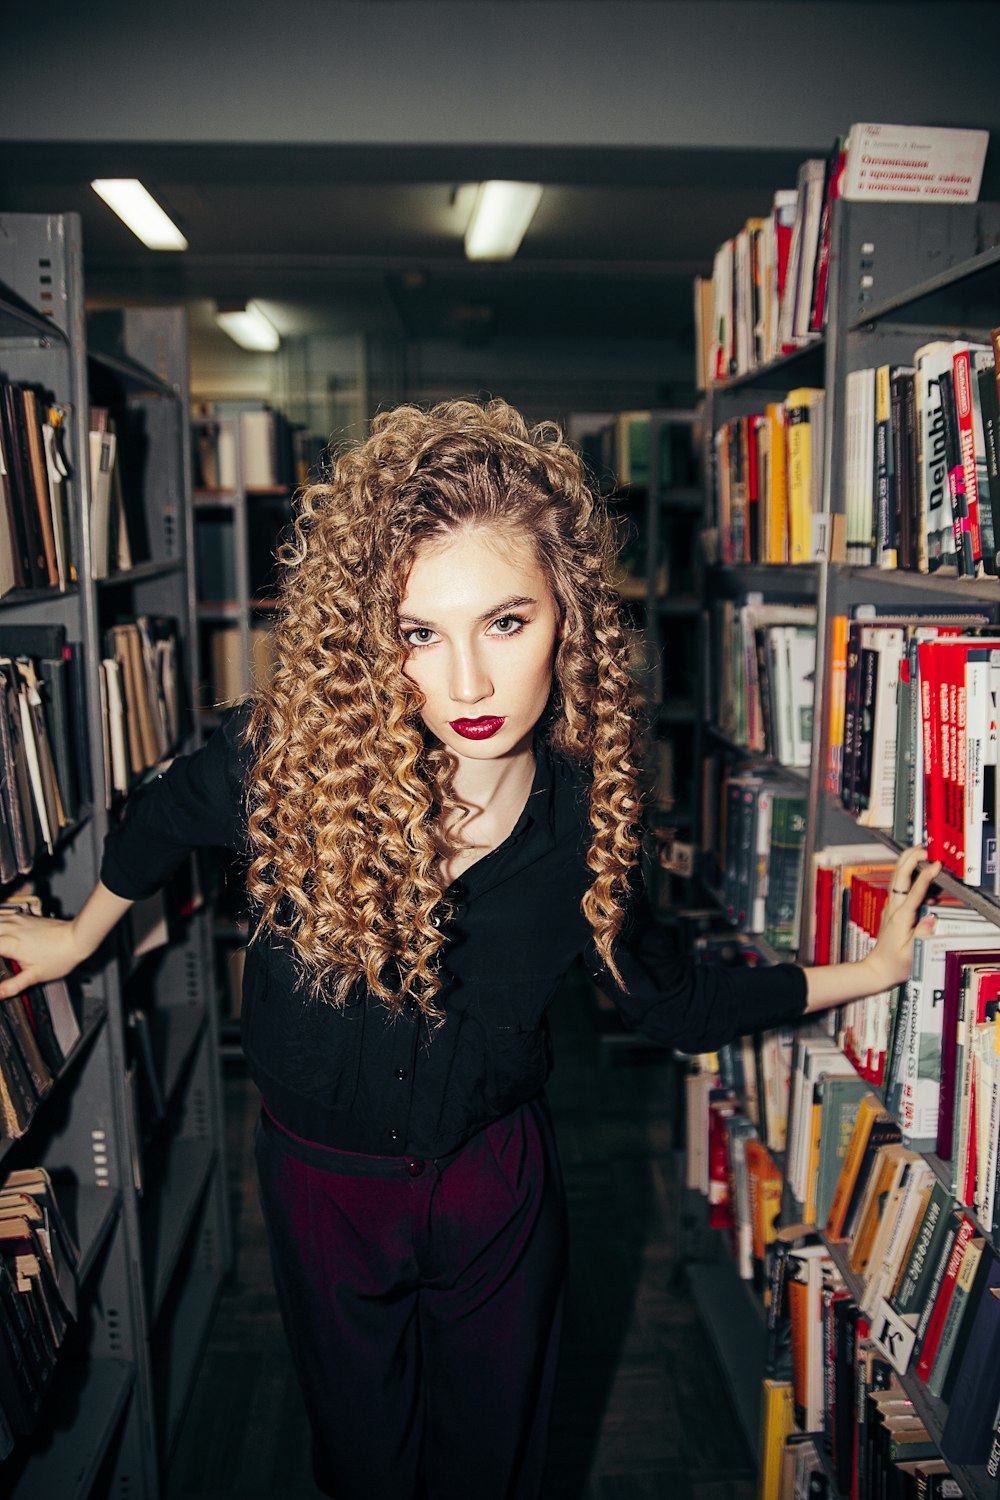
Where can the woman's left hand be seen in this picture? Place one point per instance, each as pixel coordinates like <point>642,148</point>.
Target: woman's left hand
<point>891,959</point>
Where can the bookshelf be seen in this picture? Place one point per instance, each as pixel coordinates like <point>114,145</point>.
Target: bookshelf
<point>900,275</point>
<point>151,1262</point>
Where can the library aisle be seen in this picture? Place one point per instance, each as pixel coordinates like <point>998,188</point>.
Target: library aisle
<point>642,1409</point>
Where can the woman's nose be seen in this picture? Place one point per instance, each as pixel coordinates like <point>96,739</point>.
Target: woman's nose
<point>470,681</point>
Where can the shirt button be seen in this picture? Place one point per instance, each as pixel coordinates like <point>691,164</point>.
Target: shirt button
<point>394,1135</point>
<point>400,1074</point>
<point>414,1168</point>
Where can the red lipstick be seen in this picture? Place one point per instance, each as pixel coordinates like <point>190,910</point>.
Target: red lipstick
<point>477,729</point>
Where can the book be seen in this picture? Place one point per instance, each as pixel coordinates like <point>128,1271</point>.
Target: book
<point>967,1436</point>
<point>910,163</point>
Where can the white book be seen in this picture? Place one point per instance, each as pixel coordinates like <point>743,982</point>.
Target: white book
<point>103,447</point>
<point>910,163</point>
<point>257,438</point>
<point>801,648</point>
<point>32,757</point>
<point>722,312</point>
<point>987,1072</point>
<point>119,764</point>
<point>812,180</point>
<point>758,914</point>
<point>919,1081</point>
<point>890,1245</point>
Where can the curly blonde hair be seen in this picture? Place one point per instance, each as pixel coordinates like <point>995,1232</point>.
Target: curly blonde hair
<point>347,788</point>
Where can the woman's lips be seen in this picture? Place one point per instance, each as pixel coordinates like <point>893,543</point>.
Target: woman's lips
<point>477,729</point>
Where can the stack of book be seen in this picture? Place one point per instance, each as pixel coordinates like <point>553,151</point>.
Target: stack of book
<point>912,705</point>
<point>768,481</point>
<point>766,656</point>
<point>768,294</point>
<point>44,766</point>
<point>34,527</point>
<point>140,698</point>
<point>38,1031</point>
<point>921,475</point>
<point>38,1297</point>
<point>762,850</point>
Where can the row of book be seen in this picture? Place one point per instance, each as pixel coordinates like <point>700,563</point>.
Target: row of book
<point>930,1045</point>
<point>233,444</point>
<point>765,655</point>
<point>140,698</point>
<point>618,449</point>
<point>762,849</point>
<point>43,742</point>
<point>39,1273</point>
<point>38,1030</point>
<point>896,1260</point>
<point>913,732</point>
<point>768,292</point>
<point>921,475</point>
<point>769,481</point>
<point>35,550</point>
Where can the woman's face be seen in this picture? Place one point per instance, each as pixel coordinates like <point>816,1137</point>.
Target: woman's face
<point>482,625</point>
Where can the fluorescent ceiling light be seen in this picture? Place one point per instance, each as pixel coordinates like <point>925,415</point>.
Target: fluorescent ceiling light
<point>500,217</point>
<point>250,328</point>
<point>140,211</point>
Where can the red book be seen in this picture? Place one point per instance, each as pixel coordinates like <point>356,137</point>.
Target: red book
<point>929,719</point>
<point>721,1106</point>
<point>932,1337</point>
<point>951,672</point>
<point>817,318</point>
<point>751,538</point>
<point>824,917</point>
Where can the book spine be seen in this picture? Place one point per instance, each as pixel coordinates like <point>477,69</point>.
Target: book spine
<point>961,523</point>
<point>965,432</point>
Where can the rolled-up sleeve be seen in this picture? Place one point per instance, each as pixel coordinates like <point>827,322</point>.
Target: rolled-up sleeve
<point>196,803</point>
<point>694,1006</point>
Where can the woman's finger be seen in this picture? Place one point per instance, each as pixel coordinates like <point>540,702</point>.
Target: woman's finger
<point>920,887</point>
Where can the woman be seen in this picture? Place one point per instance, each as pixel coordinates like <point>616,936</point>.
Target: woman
<point>438,799</point>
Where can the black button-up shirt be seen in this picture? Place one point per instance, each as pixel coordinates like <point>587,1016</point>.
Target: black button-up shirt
<point>359,1079</point>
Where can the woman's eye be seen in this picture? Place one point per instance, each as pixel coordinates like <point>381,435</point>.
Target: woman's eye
<point>508,624</point>
<point>420,635</point>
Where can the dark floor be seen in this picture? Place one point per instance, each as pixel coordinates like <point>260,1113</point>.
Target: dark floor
<point>642,1411</point>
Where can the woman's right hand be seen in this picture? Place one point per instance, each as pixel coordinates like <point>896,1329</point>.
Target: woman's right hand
<point>43,948</point>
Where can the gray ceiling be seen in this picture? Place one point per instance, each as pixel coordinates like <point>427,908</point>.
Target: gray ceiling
<point>321,151</point>
<point>345,239</point>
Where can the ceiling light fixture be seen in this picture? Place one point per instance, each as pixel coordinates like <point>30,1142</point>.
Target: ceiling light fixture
<point>500,218</point>
<point>249,327</point>
<point>137,208</point>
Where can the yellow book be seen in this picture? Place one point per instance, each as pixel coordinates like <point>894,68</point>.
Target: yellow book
<point>889,557</point>
<point>815,1122</point>
<point>777,500</point>
<point>775,1425</point>
<point>838,702</point>
<point>800,406</point>
<point>879,1193</point>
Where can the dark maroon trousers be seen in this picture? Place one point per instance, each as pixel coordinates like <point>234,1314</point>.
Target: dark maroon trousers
<point>423,1305</point>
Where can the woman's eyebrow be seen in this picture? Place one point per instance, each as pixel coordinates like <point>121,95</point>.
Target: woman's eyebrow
<point>518,602</point>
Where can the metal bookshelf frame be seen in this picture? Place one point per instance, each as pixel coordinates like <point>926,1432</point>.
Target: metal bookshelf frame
<point>115,1402</point>
<point>899,274</point>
